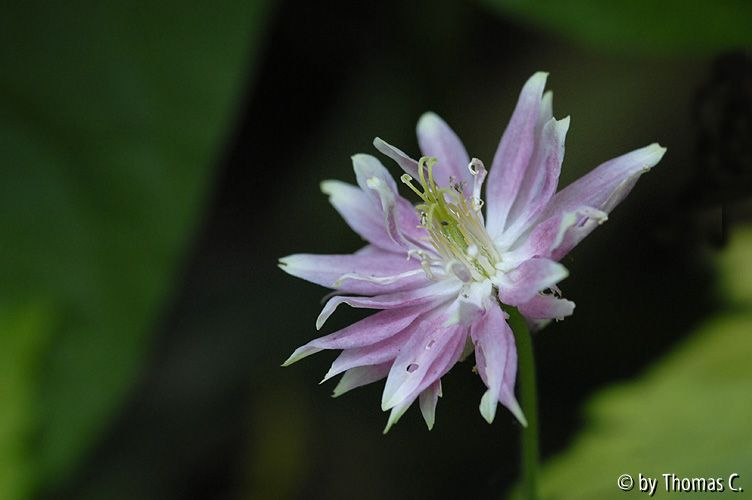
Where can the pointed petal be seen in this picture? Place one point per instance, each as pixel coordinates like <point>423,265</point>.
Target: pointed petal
<point>494,345</point>
<point>546,110</point>
<point>431,294</point>
<point>547,307</point>
<point>438,369</point>
<point>377,353</point>
<point>367,331</point>
<point>522,284</point>
<point>361,274</point>
<point>508,399</point>
<point>367,167</point>
<point>513,154</point>
<point>607,185</point>
<point>438,140</point>
<point>541,178</point>
<point>602,189</point>
<point>360,376</point>
<point>428,399</point>
<point>553,237</point>
<point>399,216</point>
<point>361,213</point>
<point>430,342</point>
<point>407,164</point>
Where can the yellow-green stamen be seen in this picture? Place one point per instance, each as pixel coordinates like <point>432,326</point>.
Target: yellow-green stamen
<point>454,224</point>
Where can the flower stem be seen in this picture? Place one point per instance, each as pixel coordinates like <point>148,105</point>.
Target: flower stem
<point>529,403</point>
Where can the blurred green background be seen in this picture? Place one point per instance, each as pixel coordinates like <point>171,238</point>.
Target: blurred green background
<point>158,159</point>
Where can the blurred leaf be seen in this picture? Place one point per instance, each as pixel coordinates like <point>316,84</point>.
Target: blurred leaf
<point>112,120</point>
<point>24,334</point>
<point>688,416</point>
<point>641,26</point>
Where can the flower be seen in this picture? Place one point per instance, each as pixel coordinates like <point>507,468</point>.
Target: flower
<point>439,272</point>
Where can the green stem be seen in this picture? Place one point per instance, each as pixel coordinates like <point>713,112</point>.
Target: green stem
<point>529,403</point>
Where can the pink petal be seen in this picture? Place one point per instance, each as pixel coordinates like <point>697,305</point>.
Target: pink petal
<point>431,294</point>
<point>586,220</point>
<point>605,186</point>
<point>407,164</point>
<point>400,218</point>
<point>360,376</point>
<point>494,350</point>
<point>602,189</point>
<point>438,140</point>
<point>361,213</point>
<point>542,176</point>
<point>428,399</point>
<point>429,342</point>
<point>441,365</point>
<point>541,239</point>
<point>523,283</point>
<point>367,331</point>
<point>546,307</point>
<point>513,155</point>
<point>554,236</point>
<point>373,354</point>
<point>380,273</point>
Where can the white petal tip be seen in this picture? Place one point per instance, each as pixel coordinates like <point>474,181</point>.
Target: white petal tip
<point>514,407</point>
<point>328,187</point>
<point>428,117</point>
<point>328,376</point>
<point>539,77</point>
<point>488,406</point>
<point>300,353</point>
<point>654,153</point>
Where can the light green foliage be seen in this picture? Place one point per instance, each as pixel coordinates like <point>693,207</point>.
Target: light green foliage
<point>113,118</point>
<point>641,26</point>
<point>689,415</point>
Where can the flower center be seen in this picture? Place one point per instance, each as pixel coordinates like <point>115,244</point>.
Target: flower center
<point>454,222</point>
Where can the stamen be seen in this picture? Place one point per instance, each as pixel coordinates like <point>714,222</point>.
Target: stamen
<point>454,222</point>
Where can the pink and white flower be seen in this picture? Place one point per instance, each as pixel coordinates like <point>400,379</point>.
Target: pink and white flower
<point>439,272</point>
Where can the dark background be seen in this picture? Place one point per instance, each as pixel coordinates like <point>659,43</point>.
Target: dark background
<point>159,161</point>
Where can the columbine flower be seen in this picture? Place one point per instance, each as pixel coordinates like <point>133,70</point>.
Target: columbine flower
<point>440,271</point>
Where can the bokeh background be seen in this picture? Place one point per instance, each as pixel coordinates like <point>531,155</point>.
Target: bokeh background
<point>157,158</point>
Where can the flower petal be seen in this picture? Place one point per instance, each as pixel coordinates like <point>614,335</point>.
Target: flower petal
<point>603,188</point>
<point>513,155</point>
<point>373,354</point>
<point>542,176</point>
<point>438,369</point>
<point>523,283</point>
<point>494,348</point>
<point>428,399</point>
<point>415,363</point>
<point>433,293</point>
<point>360,376</point>
<point>438,140</point>
<point>367,331</point>
<point>407,164</point>
<point>399,216</point>
<point>471,301</point>
<point>360,213</point>
<point>381,273</point>
<point>546,307</point>
<point>550,237</point>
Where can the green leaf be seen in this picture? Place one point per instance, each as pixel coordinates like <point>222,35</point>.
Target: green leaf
<point>640,26</point>
<point>688,416</point>
<point>24,334</point>
<point>113,119</point>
